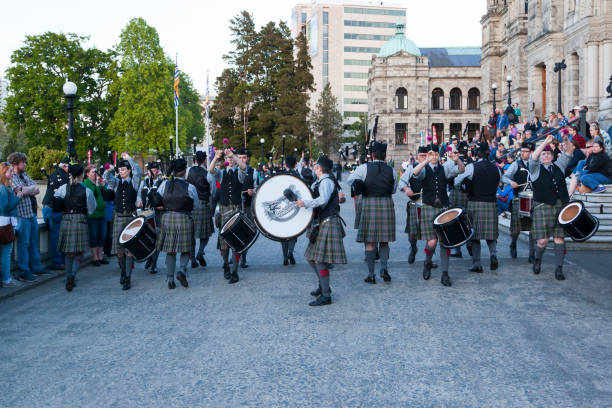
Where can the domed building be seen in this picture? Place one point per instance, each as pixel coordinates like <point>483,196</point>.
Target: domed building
<point>412,89</point>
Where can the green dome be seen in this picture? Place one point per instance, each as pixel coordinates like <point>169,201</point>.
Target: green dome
<point>399,43</point>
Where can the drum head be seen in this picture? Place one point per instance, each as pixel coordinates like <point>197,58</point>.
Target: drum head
<point>276,216</point>
<point>228,224</point>
<point>447,216</point>
<point>570,212</point>
<point>131,230</point>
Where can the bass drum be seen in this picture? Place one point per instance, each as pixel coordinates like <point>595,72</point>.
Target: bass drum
<point>577,221</point>
<point>239,232</point>
<point>453,227</point>
<point>139,237</point>
<point>276,214</point>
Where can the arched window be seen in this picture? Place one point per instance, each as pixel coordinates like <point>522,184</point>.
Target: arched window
<point>455,99</point>
<point>437,99</point>
<point>474,99</point>
<point>401,98</point>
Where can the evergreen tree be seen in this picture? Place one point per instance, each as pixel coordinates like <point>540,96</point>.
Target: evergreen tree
<point>326,121</point>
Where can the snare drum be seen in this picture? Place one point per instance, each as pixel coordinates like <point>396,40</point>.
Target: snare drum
<point>138,237</point>
<point>577,221</point>
<point>453,227</point>
<point>525,203</point>
<point>239,232</point>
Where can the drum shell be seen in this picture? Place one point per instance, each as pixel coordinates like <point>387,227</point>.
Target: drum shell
<point>525,204</point>
<point>455,232</point>
<point>241,235</point>
<point>581,228</point>
<point>141,245</point>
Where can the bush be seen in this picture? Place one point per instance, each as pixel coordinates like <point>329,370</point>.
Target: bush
<point>38,157</point>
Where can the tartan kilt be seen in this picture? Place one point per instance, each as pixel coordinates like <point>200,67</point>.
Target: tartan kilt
<point>518,223</point>
<point>119,223</point>
<point>176,233</point>
<point>226,212</point>
<point>428,213</point>
<point>544,221</point>
<point>458,198</point>
<point>412,220</point>
<point>202,220</point>
<point>328,248</point>
<point>377,220</point>
<point>73,234</point>
<point>485,222</point>
<point>357,212</point>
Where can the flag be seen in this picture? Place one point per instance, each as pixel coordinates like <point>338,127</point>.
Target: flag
<point>207,98</point>
<point>176,84</point>
<point>435,135</point>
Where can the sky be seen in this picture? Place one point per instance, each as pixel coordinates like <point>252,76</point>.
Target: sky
<point>198,30</point>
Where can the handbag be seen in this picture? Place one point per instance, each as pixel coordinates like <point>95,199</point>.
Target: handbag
<point>7,233</point>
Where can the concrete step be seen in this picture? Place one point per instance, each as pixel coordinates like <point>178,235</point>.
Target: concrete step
<point>594,198</point>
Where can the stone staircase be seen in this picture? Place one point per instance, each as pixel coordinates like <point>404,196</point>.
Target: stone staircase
<point>600,205</point>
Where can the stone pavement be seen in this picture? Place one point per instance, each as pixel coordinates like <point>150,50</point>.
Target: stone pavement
<point>504,338</point>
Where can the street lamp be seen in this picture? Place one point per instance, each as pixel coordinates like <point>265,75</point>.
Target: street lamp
<point>262,141</point>
<point>559,66</point>
<point>283,150</point>
<point>494,87</point>
<point>509,109</point>
<point>194,145</point>
<point>70,93</point>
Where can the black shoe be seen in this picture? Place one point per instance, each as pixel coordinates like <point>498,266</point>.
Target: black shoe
<point>149,262</point>
<point>171,284</point>
<point>321,301</point>
<point>434,265</point>
<point>194,263</point>
<point>286,261</point>
<point>234,277</point>
<point>457,254</point>
<point>445,280</point>
<point>318,292</point>
<point>370,280</point>
<point>385,275</point>
<point>531,258</point>
<point>127,284</point>
<point>103,262</point>
<point>513,253</point>
<point>70,284</point>
<point>537,266</point>
<point>412,256</point>
<point>291,259</point>
<point>122,279</point>
<point>183,279</point>
<point>559,273</point>
<point>494,263</point>
<point>469,248</point>
<point>226,271</point>
<point>427,270</point>
<point>96,263</point>
<point>201,260</point>
<point>477,269</point>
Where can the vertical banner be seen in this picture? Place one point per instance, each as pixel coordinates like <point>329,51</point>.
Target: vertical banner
<point>115,159</point>
<point>88,157</point>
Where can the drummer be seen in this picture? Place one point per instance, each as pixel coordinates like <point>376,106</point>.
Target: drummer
<point>482,204</point>
<point>178,198</point>
<point>231,179</point>
<point>434,179</point>
<point>412,188</point>
<point>377,219</point>
<point>78,202</point>
<point>149,185</point>
<point>458,195</point>
<point>126,194</point>
<point>289,245</point>
<point>248,189</point>
<point>517,177</point>
<point>549,195</point>
<point>199,177</point>
<point>328,248</point>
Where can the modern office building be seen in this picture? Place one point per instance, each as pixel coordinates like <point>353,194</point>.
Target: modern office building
<point>343,37</point>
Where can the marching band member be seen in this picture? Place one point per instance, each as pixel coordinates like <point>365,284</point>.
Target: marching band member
<point>148,186</point>
<point>289,245</point>
<point>412,188</point>
<point>230,179</point>
<point>248,189</point>
<point>327,247</point>
<point>457,196</point>
<point>126,195</point>
<point>52,211</point>
<point>78,202</point>
<point>482,205</point>
<point>176,235</point>
<point>199,177</point>
<point>434,179</point>
<point>549,195</point>
<point>377,219</point>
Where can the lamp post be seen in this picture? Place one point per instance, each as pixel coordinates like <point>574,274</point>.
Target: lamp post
<point>262,141</point>
<point>509,81</point>
<point>283,150</point>
<point>70,93</point>
<point>494,87</point>
<point>194,145</point>
<point>559,66</point>
<point>509,109</point>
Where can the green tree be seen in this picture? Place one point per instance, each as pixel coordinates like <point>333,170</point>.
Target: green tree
<point>326,121</point>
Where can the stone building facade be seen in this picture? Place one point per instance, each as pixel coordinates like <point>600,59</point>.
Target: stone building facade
<point>523,39</point>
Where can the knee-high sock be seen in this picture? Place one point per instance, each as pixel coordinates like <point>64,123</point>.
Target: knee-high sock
<point>76,264</point>
<point>170,265</point>
<point>285,247</point>
<point>203,243</point>
<point>154,260</point>
<point>492,244</point>
<point>371,260</point>
<point>539,251</point>
<point>559,254</point>
<point>291,246</point>
<point>532,245</point>
<point>476,253</point>
<point>324,279</point>
<point>225,256</point>
<point>235,265</point>
<point>184,260</point>
<point>129,265</point>
<point>514,238</point>
<point>121,260</point>
<point>314,267</point>
<point>429,253</point>
<point>413,243</point>
<point>69,259</point>
<point>444,258</point>
<point>384,255</point>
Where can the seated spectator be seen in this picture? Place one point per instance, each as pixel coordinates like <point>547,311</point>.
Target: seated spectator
<point>544,128</point>
<point>8,208</point>
<point>505,194</point>
<point>596,131</point>
<point>598,169</point>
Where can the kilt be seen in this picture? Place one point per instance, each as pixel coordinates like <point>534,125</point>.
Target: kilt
<point>412,220</point>
<point>458,198</point>
<point>226,212</point>
<point>328,248</point>
<point>73,234</point>
<point>518,223</point>
<point>483,216</point>
<point>176,233</point>
<point>428,213</point>
<point>357,212</point>
<point>202,220</point>
<point>544,221</point>
<point>376,220</point>
<point>119,222</point>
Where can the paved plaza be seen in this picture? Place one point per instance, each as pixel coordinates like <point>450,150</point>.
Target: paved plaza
<point>505,338</point>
